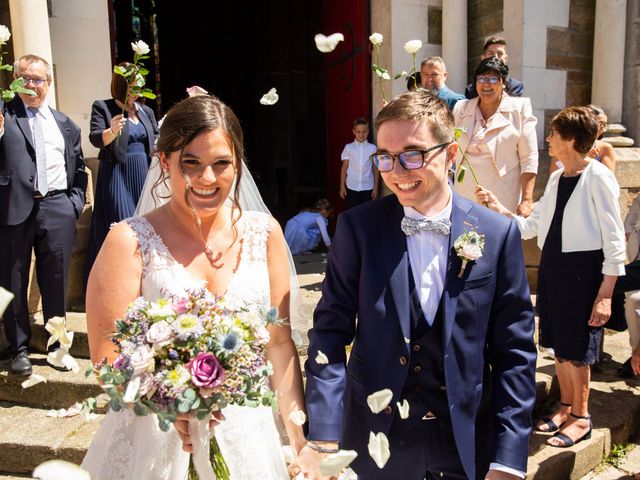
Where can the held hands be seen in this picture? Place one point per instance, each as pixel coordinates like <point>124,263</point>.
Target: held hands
<point>117,124</point>
<point>600,312</point>
<point>182,427</point>
<point>308,463</point>
<point>524,209</point>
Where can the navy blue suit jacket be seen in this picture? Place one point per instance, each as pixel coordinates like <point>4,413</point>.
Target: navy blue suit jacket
<point>18,163</point>
<point>489,353</point>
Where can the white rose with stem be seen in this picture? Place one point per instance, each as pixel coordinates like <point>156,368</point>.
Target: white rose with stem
<point>382,73</point>
<point>412,47</point>
<point>17,85</point>
<point>134,76</point>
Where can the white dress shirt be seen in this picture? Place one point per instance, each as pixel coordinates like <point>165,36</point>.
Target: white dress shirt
<point>428,254</point>
<point>360,170</point>
<point>53,145</point>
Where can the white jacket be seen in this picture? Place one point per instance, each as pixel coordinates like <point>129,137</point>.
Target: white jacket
<point>591,218</point>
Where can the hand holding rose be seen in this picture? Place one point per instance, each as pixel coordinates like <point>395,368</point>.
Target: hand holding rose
<point>117,124</point>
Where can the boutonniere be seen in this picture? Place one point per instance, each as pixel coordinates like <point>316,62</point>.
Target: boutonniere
<point>468,246</point>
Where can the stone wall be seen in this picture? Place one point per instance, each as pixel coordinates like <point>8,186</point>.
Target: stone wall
<point>484,19</point>
<point>571,49</point>
<point>631,95</point>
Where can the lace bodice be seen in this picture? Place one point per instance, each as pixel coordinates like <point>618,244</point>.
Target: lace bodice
<point>162,274</point>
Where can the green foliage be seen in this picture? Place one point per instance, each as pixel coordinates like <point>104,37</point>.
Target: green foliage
<point>618,453</point>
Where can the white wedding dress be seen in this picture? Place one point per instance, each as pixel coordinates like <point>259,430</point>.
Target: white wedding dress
<point>128,447</point>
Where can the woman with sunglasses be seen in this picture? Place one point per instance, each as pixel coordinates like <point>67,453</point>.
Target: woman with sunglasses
<point>499,138</point>
<point>600,151</point>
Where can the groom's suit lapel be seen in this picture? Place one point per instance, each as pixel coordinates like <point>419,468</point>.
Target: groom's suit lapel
<point>460,220</point>
<point>396,260</point>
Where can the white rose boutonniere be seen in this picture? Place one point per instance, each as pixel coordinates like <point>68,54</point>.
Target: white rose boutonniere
<point>469,247</point>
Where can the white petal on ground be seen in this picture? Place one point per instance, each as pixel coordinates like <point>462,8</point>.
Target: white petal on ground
<point>334,463</point>
<point>5,297</point>
<point>270,98</point>
<point>62,359</point>
<point>321,358</point>
<point>403,409</point>
<point>379,448</point>
<point>60,470</point>
<point>328,44</point>
<point>34,379</point>
<point>72,411</point>
<point>379,400</point>
<point>298,417</point>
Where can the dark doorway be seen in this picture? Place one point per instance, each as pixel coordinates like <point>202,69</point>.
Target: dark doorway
<point>238,51</point>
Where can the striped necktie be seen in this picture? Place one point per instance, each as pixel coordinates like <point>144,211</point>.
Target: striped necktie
<point>41,158</point>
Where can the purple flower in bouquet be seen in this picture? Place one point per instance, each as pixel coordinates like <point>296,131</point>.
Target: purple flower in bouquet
<point>206,372</point>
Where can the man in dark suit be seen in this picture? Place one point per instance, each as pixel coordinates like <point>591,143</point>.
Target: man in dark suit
<point>452,339</point>
<point>496,47</point>
<point>42,192</point>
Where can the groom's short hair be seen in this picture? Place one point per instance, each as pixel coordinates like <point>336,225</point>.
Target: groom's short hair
<point>419,106</point>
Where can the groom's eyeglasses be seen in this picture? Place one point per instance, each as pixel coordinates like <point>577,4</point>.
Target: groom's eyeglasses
<point>409,159</point>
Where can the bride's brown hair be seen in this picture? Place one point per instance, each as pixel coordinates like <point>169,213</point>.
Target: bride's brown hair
<point>192,117</point>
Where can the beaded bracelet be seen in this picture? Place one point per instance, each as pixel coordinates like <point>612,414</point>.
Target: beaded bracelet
<point>320,449</point>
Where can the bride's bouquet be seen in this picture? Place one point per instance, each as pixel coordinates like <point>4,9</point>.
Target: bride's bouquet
<point>192,355</point>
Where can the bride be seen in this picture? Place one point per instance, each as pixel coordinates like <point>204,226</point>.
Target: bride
<point>197,238</point>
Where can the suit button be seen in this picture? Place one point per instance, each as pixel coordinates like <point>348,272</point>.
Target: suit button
<point>417,388</point>
<point>443,388</point>
<point>31,178</point>
<point>403,360</point>
<point>388,410</point>
<point>416,348</point>
<point>417,368</point>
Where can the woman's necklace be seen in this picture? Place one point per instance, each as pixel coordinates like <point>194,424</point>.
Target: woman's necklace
<point>214,259</point>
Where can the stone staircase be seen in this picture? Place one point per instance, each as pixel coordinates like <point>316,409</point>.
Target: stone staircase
<point>28,437</point>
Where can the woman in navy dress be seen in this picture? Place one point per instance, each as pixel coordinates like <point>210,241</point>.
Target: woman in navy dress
<point>125,143</point>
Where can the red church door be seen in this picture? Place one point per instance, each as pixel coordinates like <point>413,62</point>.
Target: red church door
<point>347,74</point>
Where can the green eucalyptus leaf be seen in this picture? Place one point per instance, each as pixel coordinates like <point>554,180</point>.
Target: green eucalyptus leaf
<point>115,405</point>
<point>461,174</point>
<point>148,94</point>
<point>164,424</point>
<point>119,70</point>
<point>196,404</point>
<point>189,394</point>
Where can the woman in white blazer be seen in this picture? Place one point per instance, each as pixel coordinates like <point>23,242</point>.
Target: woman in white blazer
<point>578,225</point>
<point>499,138</point>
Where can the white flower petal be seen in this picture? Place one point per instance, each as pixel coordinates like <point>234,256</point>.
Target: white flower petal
<point>379,400</point>
<point>412,46</point>
<point>379,448</point>
<point>140,47</point>
<point>328,44</point>
<point>321,358</point>
<point>62,359</point>
<point>403,409</point>
<point>270,98</point>
<point>34,379</point>
<point>289,454</point>
<point>334,463</point>
<point>196,91</point>
<point>5,297</point>
<point>298,417</point>
<point>60,470</point>
<point>132,390</point>
<point>386,76</point>
<point>376,38</point>
<point>61,413</point>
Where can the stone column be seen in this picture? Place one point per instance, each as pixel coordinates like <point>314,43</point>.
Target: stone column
<point>454,42</point>
<point>608,57</point>
<point>30,33</point>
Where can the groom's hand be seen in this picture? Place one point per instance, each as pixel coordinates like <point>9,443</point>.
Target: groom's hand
<point>308,463</point>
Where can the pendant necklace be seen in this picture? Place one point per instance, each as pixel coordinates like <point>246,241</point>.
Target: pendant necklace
<point>214,259</point>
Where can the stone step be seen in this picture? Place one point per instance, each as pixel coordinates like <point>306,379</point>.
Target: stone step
<point>61,390</point>
<point>13,476</point>
<point>28,437</point>
<point>76,322</point>
<point>614,405</point>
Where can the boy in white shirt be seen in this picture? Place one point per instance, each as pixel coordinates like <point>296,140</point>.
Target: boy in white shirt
<point>358,177</point>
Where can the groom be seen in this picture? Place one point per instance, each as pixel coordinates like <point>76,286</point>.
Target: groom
<point>455,342</point>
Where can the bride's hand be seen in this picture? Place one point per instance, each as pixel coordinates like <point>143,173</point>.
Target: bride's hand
<point>182,427</point>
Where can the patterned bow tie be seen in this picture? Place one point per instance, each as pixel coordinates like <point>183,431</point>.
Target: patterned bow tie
<point>411,225</point>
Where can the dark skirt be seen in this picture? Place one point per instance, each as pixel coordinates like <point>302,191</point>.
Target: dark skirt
<point>568,284</point>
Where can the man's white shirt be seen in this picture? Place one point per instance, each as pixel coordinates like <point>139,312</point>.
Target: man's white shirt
<point>360,170</point>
